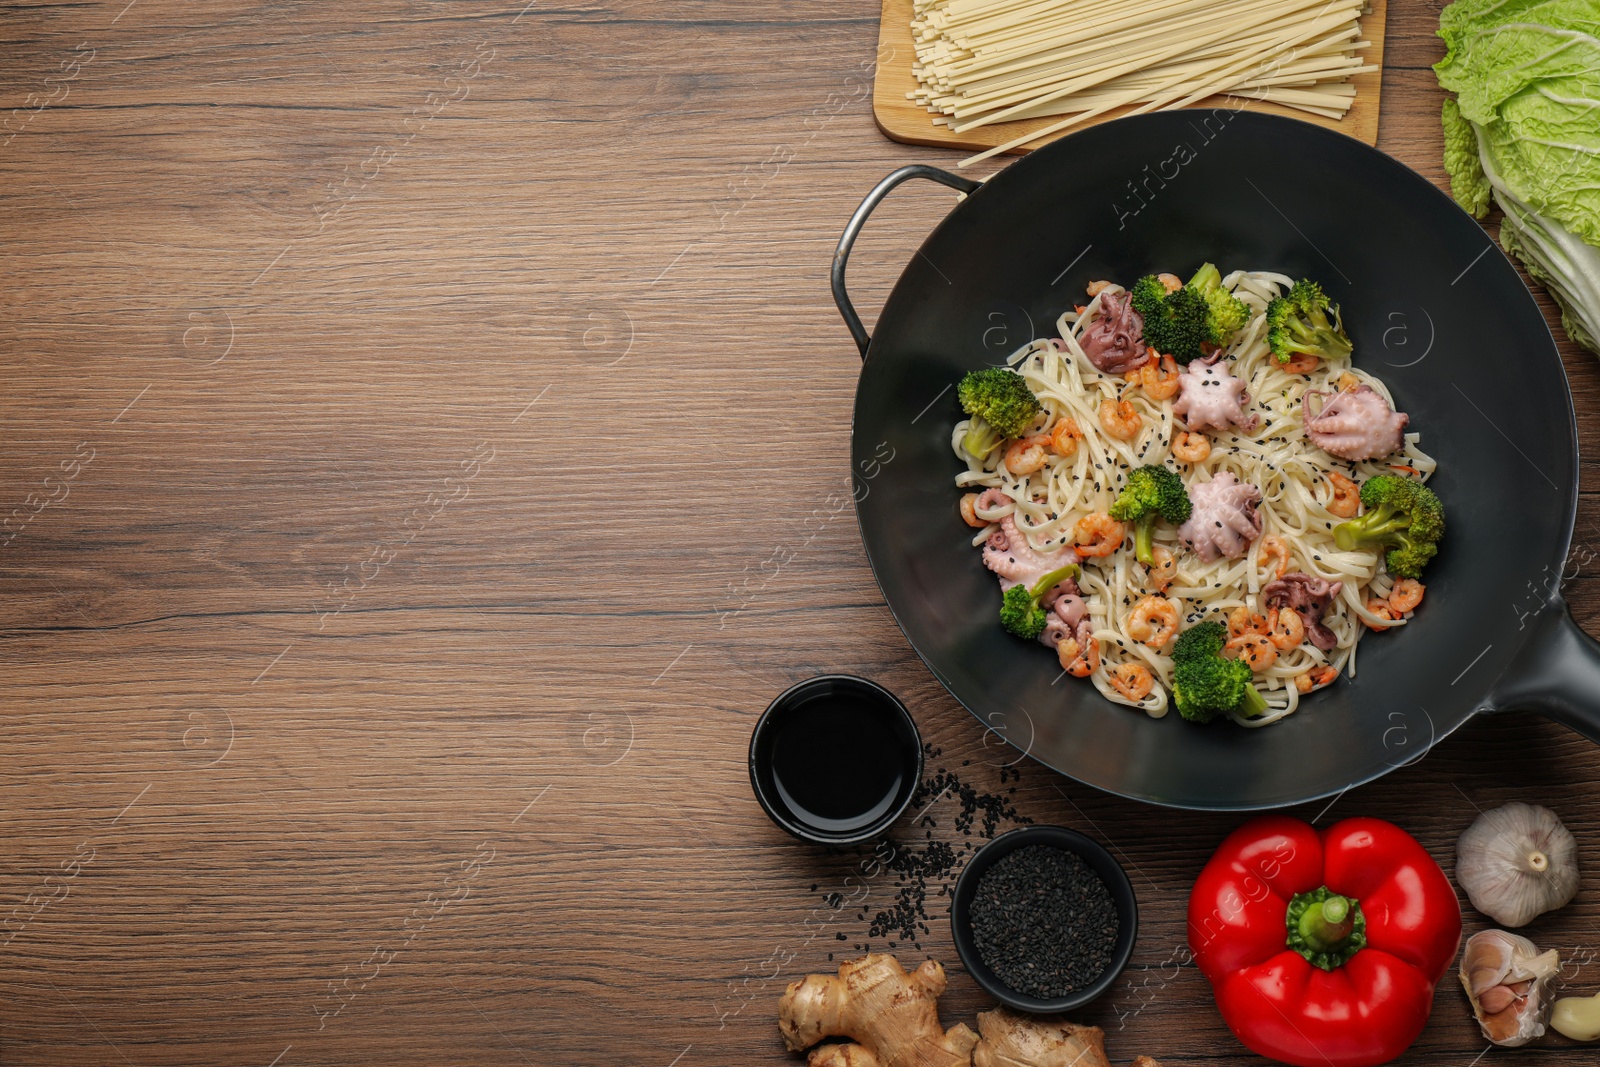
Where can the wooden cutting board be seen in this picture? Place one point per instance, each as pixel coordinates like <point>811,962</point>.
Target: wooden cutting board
<point>906,121</point>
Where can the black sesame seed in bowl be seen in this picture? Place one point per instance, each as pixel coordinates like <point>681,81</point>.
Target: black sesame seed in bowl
<point>1044,919</point>
<point>1044,922</point>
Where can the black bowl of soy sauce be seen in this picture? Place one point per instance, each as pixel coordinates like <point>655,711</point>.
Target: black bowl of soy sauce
<point>835,760</point>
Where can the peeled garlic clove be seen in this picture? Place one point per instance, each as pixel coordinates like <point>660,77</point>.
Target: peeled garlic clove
<point>1517,862</point>
<point>1577,1018</point>
<point>1506,978</point>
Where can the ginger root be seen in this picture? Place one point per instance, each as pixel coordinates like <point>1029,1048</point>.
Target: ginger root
<point>1012,1040</point>
<point>891,1019</point>
<point>891,1016</point>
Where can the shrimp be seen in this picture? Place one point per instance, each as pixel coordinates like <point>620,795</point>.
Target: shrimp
<point>1241,621</point>
<point>1078,662</point>
<point>1065,437</point>
<point>1154,621</point>
<point>1346,498</point>
<point>1163,568</point>
<point>1170,282</point>
<point>969,511</point>
<point>1301,363</point>
<point>1406,595</point>
<point>1191,447</point>
<point>1382,610</point>
<point>1098,534</point>
<point>1285,629</point>
<point>1132,681</point>
<point>1275,547</point>
<point>1120,420</point>
<point>1027,454</point>
<point>1094,288</point>
<point>1159,378</point>
<point>1347,382</point>
<point>1315,678</point>
<point>1254,649</point>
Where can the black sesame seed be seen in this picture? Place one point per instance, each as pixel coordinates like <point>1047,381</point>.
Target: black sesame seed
<point>1044,922</point>
<point>933,864</point>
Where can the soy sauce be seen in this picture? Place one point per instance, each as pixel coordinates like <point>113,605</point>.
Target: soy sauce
<point>839,761</point>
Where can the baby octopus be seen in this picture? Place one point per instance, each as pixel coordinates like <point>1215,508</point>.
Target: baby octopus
<point>1356,424</point>
<point>1114,342</point>
<point>1310,597</point>
<point>1070,632</point>
<point>1224,520</point>
<point>1009,555</point>
<point>1069,617</point>
<point>1212,398</point>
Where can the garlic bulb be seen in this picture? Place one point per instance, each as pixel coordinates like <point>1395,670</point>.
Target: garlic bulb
<point>1505,977</point>
<point>1516,862</point>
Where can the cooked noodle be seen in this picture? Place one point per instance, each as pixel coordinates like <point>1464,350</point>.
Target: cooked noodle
<point>1290,471</point>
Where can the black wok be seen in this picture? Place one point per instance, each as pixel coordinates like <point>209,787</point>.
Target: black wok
<point>1434,309</point>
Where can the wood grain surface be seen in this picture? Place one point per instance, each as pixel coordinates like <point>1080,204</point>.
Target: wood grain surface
<point>402,400</point>
<point>911,123</point>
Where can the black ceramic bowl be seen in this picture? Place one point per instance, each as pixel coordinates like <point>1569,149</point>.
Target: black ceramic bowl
<point>894,754</point>
<point>1099,861</point>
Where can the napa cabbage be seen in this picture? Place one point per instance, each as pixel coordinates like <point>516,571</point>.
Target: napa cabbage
<point>1524,131</point>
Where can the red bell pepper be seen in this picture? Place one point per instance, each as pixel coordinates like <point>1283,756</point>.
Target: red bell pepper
<point>1323,949</point>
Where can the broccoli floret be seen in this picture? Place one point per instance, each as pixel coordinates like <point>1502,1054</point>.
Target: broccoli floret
<point>1001,406</point>
<point>1020,612</point>
<point>1303,322</point>
<point>1226,314</point>
<point>1403,516</point>
<point>1148,292</point>
<point>1204,685</point>
<point>1175,324</point>
<point>1152,493</point>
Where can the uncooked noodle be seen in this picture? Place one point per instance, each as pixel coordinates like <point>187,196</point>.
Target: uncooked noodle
<point>1291,472</point>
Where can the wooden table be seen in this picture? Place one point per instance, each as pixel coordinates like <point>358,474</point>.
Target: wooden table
<point>404,403</point>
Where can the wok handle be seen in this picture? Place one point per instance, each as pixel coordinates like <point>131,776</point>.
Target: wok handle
<point>848,239</point>
<point>1557,674</point>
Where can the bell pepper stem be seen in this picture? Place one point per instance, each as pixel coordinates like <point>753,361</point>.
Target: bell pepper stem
<point>1325,927</point>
